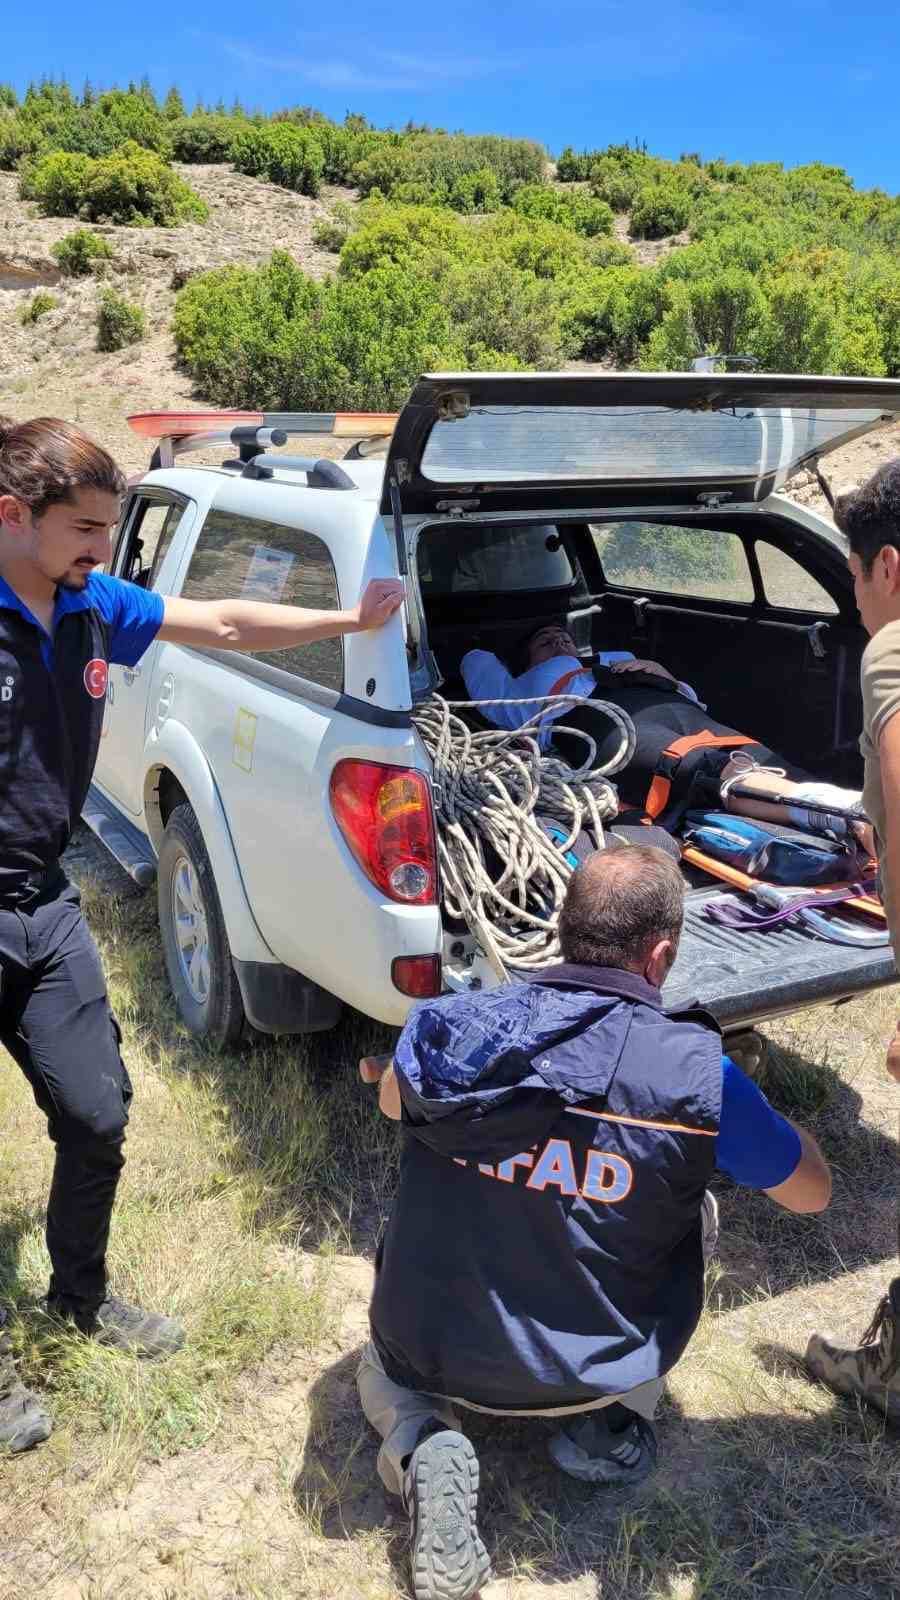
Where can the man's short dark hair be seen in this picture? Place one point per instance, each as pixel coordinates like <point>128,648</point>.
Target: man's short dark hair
<point>518,657</point>
<point>618,905</point>
<point>870,516</point>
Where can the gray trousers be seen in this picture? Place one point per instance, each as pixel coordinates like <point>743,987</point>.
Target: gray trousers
<point>399,1414</point>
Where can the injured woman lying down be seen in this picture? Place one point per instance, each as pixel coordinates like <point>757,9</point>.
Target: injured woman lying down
<point>683,759</point>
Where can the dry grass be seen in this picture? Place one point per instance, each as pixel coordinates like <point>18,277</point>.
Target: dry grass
<point>241,1470</point>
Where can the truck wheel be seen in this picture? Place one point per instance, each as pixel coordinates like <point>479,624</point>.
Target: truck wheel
<point>195,943</point>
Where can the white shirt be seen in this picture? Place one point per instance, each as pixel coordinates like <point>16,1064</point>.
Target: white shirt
<point>486,678</point>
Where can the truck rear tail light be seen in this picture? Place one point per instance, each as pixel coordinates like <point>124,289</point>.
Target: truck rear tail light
<point>385,816</point>
<point>417,976</point>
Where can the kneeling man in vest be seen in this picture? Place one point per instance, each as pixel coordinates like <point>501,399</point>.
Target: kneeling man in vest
<point>546,1248</point>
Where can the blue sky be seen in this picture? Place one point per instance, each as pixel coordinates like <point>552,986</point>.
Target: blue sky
<point>797,81</point>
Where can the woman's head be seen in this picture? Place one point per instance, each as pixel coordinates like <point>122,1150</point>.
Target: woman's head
<point>60,494</point>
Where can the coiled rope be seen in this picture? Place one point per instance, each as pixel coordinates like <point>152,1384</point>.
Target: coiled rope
<point>490,786</point>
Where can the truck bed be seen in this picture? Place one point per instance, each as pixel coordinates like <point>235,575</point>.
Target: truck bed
<point>743,978</point>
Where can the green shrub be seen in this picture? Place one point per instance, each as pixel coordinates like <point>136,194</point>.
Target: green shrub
<point>271,337</point>
<point>614,183</point>
<point>132,186</point>
<point>572,168</point>
<point>119,321</point>
<point>476,191</point>
<point>343,147</point>
<point>77,252</point>
<point>173,105</point>
<point>436,164</point>
<point>532,245</point>
<point>394,234</point>
<point>204,138</point>
<point>123,117</point>
<point>283,152</point>
<point>580,212</point>
<point>803,327</point>
<point>37,306</point>
<point>597,313</point>
<point>333,231</point>
<point>496,311</point>
<point>725,314</point>
<point>660,210</point>
<point>607,251</point>
<point>50,119</point>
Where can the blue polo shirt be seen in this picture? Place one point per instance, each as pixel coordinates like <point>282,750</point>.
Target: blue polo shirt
<point>52,701</point>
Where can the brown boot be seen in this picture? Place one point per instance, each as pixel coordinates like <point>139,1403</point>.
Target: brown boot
<point>871,1370</point>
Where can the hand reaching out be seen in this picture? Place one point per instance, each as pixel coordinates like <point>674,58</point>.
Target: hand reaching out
<point>382,597</point>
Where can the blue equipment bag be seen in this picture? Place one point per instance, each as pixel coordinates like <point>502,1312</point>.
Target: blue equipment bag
<point>776,855</point>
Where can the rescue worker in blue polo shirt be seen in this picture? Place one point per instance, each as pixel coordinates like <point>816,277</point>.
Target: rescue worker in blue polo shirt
<point>61,623</point>
<point>545,1252</point>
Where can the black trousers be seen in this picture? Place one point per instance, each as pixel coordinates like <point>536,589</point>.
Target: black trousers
<point>56,1022</point>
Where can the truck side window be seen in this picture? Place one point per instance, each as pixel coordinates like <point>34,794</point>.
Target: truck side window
<point>707,563</point>
<point>789,585</point>
<point>149,538</point>
<point>251,558</point>
<point>472,560</point>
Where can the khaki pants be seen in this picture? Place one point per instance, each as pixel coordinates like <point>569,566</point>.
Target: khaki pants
<point>399,1414</point>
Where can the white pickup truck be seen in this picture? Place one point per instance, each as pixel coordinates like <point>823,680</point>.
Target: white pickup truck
<point>281,801</point>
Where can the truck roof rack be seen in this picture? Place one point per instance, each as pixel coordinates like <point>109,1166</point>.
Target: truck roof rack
<point>178,432</point>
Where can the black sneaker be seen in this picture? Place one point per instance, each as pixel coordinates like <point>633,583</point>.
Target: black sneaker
<point>440,1493</point>
<point>147,1333</point>
<point>23,1420</point>
<point>589,1449</point>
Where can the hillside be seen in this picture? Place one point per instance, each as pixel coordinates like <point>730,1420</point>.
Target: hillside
<point>54,364</point>
<point>289,262</point>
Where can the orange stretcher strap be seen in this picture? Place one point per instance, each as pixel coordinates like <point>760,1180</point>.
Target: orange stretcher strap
<point>740,880</point>
<point>661,787</point>
<point>562,683</point>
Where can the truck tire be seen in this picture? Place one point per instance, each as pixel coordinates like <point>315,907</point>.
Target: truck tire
<point>195,942</point>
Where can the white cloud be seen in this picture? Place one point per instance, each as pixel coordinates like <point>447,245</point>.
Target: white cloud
<point>385,69</point>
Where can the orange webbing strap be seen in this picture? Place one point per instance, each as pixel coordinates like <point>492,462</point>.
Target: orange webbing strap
<point>561,683</point>
<point>740,880</point>
<point>661,787</point>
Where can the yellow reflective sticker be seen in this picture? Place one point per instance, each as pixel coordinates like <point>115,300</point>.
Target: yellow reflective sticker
<point>244,740</point>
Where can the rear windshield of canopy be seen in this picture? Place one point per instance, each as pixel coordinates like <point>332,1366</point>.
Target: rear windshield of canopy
<point>506,443</point>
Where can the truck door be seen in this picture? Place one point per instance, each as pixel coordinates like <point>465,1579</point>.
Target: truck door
<point>152,519</point>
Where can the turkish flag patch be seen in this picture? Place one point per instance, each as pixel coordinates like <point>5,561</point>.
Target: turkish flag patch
<point>96,674</point>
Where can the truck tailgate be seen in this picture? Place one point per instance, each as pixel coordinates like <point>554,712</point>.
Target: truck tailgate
<point>745,977</point>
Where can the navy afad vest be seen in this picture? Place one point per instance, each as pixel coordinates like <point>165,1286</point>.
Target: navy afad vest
<point>570,1267</point>
<point>51,721</point>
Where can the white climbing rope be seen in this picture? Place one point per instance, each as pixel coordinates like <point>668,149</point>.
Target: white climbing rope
<point>489,787</point>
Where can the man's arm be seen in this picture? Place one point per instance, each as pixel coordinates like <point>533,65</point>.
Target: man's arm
<point>660,671</point>
<point>250,625</point>
<point>761,1149</point>
<point>486,678</point>
<point>809,1186</point>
